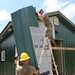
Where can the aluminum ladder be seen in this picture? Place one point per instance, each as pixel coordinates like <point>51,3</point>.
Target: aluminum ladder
<point>51,62</point>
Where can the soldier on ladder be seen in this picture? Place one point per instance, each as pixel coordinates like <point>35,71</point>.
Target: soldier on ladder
<point>43,17</point>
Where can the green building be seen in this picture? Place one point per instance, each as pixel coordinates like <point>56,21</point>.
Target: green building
<point>25,31</point>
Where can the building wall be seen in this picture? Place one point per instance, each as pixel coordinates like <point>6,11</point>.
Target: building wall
<point>7,67</point>
<point>67,34</point>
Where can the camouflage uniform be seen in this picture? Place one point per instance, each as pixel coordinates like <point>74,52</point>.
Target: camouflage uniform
<point>49,26</point>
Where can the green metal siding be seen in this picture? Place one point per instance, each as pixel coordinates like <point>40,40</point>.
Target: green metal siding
<point>7,67</point>
<point>68,35</point>
<point>22,19</point>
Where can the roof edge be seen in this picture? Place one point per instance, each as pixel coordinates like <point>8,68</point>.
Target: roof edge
<point>6,30</point>
<point>63,16</point>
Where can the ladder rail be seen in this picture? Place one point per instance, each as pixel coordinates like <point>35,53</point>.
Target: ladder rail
<point>49,62</point>
<point>53,57</point>
<point>42,52</point>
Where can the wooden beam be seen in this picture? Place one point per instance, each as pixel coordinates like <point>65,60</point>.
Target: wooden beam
<point>62,48</point>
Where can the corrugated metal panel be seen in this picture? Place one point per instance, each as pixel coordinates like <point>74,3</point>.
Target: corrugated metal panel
<point>22,19</point>
<point>7,67</point>
<point>68,35</point>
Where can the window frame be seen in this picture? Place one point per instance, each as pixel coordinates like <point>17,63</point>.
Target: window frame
<point>3,55</point>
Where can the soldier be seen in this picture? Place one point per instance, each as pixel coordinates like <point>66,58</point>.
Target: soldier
<point>43,17</point>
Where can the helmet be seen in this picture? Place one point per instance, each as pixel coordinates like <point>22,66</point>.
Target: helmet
<point>24,56</point>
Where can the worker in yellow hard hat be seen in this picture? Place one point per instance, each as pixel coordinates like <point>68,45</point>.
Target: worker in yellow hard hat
<point>24,58</point>
<point>26,68</point>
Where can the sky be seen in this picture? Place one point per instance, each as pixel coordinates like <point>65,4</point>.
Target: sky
<point>66,7</point>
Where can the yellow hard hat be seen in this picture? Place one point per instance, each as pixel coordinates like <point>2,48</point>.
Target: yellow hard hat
<point>24,56</point>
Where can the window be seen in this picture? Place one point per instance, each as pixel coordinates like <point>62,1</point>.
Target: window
<point>56,20</point>
<point>3,55</point>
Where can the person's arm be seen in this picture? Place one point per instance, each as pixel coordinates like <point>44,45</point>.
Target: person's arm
<point>16,61</point>
<point>41,17</point>
<point>36,72</point>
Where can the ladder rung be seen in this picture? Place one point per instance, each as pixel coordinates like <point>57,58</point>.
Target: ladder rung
<point>53,69</point>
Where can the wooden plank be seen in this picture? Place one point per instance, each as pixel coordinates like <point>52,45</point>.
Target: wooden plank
<point>62,48</point>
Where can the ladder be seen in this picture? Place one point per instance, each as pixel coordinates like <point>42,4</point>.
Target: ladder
<point>51,62</point>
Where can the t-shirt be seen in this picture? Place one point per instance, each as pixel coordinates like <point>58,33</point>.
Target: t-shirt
<point>47,21</point>
<point>26,70</point>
